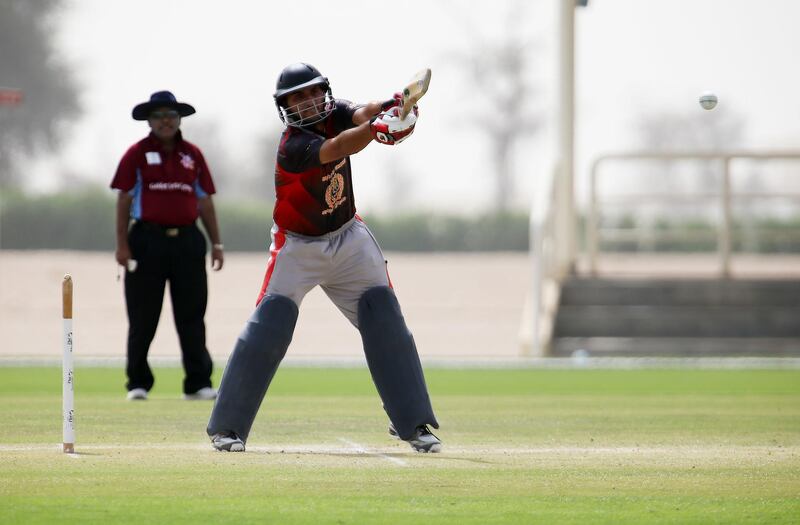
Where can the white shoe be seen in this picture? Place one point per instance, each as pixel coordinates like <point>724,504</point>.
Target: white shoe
<point>137,394</point>
<point>227,442</point>
<point>423,439</point>
<point>205,393</point>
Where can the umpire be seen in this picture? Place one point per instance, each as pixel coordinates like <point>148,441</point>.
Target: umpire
<point>164,184</point>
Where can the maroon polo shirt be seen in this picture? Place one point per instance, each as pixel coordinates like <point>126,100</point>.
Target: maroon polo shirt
<point>165,186</point>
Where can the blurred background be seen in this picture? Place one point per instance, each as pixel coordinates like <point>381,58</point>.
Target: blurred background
<point>483,154</point>
<point>488,125</point>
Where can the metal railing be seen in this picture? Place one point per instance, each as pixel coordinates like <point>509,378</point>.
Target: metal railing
<point>724,194</point>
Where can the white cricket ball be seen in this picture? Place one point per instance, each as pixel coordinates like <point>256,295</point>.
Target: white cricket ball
<point>708,100</point>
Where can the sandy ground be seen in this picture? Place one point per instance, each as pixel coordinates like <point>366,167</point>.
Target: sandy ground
<point>457,305</point>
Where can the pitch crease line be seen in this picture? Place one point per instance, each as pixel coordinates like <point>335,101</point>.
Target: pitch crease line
<point>360,449</point>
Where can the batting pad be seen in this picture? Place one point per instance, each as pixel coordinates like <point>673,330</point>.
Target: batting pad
<point>393,361</point>
<point>252,365</point>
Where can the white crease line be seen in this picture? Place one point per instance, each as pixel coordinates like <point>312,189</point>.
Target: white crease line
<point>361,450</point>
<point>32,448</point>
<point>288,449</point>
<point>451,451</point>
<point>78,448</point>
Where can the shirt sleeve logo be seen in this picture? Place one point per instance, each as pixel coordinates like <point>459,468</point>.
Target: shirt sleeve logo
<point>186,161</point>
<point>334,193</point>
<point>153,158</point>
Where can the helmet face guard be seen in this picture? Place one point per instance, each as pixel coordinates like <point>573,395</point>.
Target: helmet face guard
<point>292,115</point>
<point>297,77</point>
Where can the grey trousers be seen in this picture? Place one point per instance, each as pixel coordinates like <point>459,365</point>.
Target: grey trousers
<point>344,263</point>
<point>350,268</point>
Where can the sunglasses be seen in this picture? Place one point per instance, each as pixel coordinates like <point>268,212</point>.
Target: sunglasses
<point>170,114</point>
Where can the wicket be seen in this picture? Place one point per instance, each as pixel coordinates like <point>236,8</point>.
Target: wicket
<point>68,390</point>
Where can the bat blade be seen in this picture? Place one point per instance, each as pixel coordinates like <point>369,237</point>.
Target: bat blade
<point>415,90</point>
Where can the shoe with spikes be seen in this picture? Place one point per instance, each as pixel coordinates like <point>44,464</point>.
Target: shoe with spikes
<point>227,442</point>
<point>422,440</point>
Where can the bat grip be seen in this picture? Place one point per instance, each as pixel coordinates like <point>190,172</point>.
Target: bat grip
<point>396,100</point>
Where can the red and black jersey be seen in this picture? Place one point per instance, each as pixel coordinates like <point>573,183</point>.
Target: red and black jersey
<point>314,198</point>
<point>165,185</point>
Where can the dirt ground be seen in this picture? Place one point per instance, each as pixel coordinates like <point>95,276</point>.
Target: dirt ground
<point>457,306</point>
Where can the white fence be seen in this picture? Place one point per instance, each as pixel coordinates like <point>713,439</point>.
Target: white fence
<point>548,269</point>
<point>724,195</point>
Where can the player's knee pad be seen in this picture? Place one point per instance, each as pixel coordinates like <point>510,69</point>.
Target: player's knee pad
<point>393,361</point>
<point>252,365</point>
<point>271,326</point>
<point>266,336</point>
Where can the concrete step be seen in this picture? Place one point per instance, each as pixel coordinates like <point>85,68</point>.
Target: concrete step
<point>688,292</point>
<point>676,321</point>
<point>675,347</point>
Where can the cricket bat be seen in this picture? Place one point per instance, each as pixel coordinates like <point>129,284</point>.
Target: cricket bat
<point>414,91</point>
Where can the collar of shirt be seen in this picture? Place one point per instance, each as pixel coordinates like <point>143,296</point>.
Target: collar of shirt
<point>155,144</point>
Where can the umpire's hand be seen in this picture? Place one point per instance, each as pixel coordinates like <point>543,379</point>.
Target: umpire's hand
<point>217,257</point>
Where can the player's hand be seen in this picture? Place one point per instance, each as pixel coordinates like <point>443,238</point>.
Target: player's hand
<point>123,255</point>
<point>396,100</point>
<point>217,258</point>
<point>388,128</point>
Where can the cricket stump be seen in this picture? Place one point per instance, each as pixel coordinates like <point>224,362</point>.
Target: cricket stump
<point>68,388</point>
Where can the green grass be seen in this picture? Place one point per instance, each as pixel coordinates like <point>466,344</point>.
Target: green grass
<point>521,446</point>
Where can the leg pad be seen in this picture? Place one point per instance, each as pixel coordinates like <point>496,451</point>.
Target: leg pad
<point>393,361</point>
<point>252,365</point>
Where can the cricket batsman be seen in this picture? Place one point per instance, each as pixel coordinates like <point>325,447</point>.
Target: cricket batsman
<point>318,239</point>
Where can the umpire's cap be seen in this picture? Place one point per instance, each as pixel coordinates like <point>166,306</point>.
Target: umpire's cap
<point>161,99</point>
<point>295,77</point>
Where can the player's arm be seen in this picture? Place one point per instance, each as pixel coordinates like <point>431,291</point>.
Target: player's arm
<point>366,112</point>
<point>370,109</point>
<point>345,143</point>
<point>208,215</point>
<point>123,253</point>
<point>355,139</point>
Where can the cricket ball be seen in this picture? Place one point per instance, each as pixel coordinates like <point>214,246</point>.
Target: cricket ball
<point>708,100</point>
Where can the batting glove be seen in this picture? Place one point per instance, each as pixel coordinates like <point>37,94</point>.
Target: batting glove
<point>388,128</point>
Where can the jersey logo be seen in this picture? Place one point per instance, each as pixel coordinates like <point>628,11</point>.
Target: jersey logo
<point>186,160</point>
<point>334,193</point>
<point>170,186</point>
<point>153,157</point>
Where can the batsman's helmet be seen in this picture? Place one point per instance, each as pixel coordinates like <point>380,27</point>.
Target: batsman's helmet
<point>295,77</point>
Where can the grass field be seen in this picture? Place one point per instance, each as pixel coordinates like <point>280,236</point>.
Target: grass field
<point>521,446</point>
